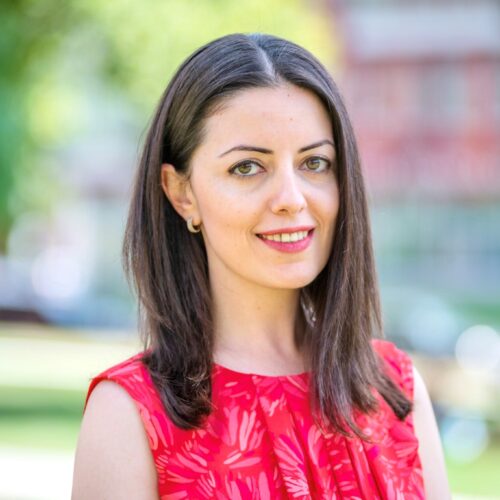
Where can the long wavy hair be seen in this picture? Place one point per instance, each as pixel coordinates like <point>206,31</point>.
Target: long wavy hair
<point>167,266</point>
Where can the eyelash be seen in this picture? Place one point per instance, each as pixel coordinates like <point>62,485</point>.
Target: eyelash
<point>233,169</point>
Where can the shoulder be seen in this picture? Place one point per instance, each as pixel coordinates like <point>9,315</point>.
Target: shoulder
<point>398,364</point>
<point>128,373</point>
<point>114,451</point>
<point>430,449</point>
<point>390,352</point>
<point>113,458</point>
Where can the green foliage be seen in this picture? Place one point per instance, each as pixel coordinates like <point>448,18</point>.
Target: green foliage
<point>143,54</point>
<point>30,32</point>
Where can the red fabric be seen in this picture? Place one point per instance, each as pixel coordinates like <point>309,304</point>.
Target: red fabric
<point>261,441</point>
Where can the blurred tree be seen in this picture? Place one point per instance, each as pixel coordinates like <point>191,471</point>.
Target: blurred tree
<point>49,51</point>
<point>29,33</point>
<point>143,54</point>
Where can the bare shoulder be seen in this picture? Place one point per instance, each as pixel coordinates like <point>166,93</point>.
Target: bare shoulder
<point>113,459</point>
<point>430,449</point>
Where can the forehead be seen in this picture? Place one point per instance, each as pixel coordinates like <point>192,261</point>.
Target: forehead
<point>268,116</point>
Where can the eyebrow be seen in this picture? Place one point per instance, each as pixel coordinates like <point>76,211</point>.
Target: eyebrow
<point>244,147</point>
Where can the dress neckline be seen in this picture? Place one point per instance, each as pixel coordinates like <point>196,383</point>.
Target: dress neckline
<point>234,373</point>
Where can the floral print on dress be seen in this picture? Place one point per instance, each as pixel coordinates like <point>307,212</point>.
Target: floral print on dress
<point>261,441</point>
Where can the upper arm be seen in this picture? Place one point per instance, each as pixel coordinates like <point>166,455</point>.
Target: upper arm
<point>113,458</point>
<point>430,449</point>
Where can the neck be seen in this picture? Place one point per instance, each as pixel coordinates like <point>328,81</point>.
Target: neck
<point>257,329</point>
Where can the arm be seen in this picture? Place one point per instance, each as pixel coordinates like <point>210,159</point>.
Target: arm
<point>430,450</point>
<point>113,459</point>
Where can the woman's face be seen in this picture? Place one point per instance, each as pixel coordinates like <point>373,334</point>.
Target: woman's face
<point>265,189</point>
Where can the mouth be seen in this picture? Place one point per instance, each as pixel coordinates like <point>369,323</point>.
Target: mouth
<point>288,242</point>
<point>286,237</point>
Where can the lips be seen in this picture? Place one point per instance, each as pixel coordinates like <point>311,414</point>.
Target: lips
<point>289,240</point>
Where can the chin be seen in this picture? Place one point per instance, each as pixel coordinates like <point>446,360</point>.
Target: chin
<point>294,282</point>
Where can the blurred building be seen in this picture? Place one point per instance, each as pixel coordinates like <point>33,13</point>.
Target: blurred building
<point>422,83</point>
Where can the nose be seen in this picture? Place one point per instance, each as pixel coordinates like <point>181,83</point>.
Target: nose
<point>287,195</point>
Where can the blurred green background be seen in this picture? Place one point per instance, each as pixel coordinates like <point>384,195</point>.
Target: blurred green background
<point>78,84</point>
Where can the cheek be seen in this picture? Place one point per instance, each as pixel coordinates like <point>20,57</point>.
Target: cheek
<point>327,204</point>
<point>228,220</point>
<point>226,206</point>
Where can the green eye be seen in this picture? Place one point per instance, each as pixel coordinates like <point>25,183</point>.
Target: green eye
<point>245,169</point>
<point>317,164</point>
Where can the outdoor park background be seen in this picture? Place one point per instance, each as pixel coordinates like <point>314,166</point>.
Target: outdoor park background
<point>78,83</point>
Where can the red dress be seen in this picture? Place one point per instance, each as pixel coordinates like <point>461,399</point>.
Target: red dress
<point>261,442</point>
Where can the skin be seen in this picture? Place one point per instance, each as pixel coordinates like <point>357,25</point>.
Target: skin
<point>255,288</point>
<point>113,459</point>
<point>430,449</point>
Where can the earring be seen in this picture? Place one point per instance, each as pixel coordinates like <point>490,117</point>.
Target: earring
<point>192,228</point>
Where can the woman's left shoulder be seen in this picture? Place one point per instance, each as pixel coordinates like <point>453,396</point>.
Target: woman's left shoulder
<point>398,364</point>
<point>430,447</point>
<point>388,349</point>
<point>422,419</point>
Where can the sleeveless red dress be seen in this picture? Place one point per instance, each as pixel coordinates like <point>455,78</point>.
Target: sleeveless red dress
<point>261,441</point>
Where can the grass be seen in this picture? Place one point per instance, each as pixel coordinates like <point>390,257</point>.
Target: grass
<point>480,477</point>
<point>40,418</point>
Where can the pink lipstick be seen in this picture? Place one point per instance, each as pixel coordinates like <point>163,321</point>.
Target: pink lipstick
<point>288,240</point>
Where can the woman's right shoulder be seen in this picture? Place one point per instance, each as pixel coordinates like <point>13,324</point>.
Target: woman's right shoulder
<point>113,458</point>
<point>117,445</point>
<point>129,373</point>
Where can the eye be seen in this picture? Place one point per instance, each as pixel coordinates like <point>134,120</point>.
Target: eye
<point>245,168</point>
<point>317,164</point>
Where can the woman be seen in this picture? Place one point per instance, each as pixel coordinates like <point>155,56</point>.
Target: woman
<point>249,246</point>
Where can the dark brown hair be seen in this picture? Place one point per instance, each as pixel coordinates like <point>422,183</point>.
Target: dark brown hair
<point>167,265</point>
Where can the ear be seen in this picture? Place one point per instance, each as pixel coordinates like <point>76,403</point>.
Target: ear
<point>177,189</point>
